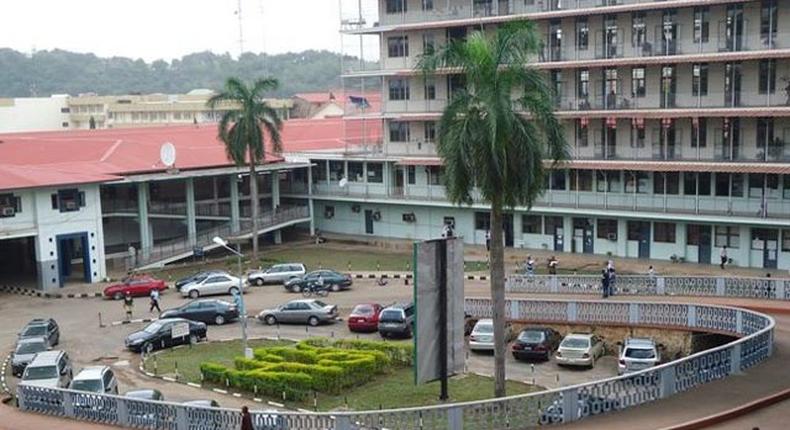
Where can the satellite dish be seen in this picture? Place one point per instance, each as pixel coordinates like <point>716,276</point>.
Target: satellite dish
<point>343,182</point>
<point>167,154</point>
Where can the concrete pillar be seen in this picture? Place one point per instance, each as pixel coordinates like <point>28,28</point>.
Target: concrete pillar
<point>622,237</point>
<point>146,238</point>
<point>189,187</point>
<point>743,255</point>
<point>234,203</point>
<point>567,231</point>
<point>310,198</point>
<point>278,237</point>
<point>386,178</point>
<point>518,235</point>
<point>680,239</point>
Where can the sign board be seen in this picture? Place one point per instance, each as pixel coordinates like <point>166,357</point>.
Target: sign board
<point>179,330</point>
<point>428,304</point>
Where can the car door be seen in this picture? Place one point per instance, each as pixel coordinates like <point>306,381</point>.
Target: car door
<point>303,312</point>
<point>163,338</point>
<point>213,284</point>
<point>64,370</point>
<point>206,312</point>
<point>287,313</point>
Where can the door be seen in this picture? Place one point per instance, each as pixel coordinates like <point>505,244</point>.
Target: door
<point>368,221</point>
<point>704,249</point>
<point>644,240</point>
<point>732,84</point>
<point>507,227</point>
<point>559,240</point>
<point>68,246</point>
<point>769,253</point>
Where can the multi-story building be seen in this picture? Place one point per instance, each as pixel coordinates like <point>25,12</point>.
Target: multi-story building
<point>34,113</point>
<point>675,113</point>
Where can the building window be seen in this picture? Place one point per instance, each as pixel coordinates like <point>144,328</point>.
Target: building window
<point>399,131</point>
<point>767,80</point>
<point>637,136</point>
<point>435,175</point>
<point>582,134</point>
<point>398,46</point>
<point>693,234</point>
<point>666,183</point>
<point>786,188</point>
<point>696,183</point>
<point>758,180</point>
<point>430,131</point>
<point>336,170</point>
<point>638,82</point>
<point>482,221</point>
<point>427,5</point>
<point>557,180</point>
<point>636,182</point>
<point>635,229</point>
<point>551,224</point>
<point>638,30</point>
<point>396,6</point>
<point>531,224</point>
<point>584,83</point>
<point>430,89</point>
<point>68,200</point>
<point>701,24</point>
<point>762,235</point>
<point>699,79</point>
<point>411,175</point>
<point>699,133</point>
<point>768,22</point>
<point>582,34</point>
<point>607,229</point>
<point>10,205</point>
<point>581,180</point>
<point>319,171</point>
<point>64,124</point>
<point>664,232</point>
<point>399,89</point>
<point>785,240</point>
<point>375,173</point>
<point>608,181</point>
<point>355,171</point>
<point>428,43</point>
<point>727,236</point>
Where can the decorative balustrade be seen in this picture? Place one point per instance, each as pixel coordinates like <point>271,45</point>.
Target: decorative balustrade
<point>753,330</point>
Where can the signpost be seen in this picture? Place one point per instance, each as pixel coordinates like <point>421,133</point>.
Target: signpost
<point>439,301</point>
<point>179,330</point>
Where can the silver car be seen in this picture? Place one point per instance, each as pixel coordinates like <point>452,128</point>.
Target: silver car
<point>306,311</point>
<point>638,354</point>
<point>277,274</point>
<point>49,369</point>
<point>579,349</point>
<point>216,283</point>
<point>25,350</point>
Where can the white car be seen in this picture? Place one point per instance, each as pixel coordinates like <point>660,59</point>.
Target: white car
<point>95,379</point>
<point>216,283</point>
<point>49,369</point>
<point>579,349</point>
<point>482,336</point>
<point>277,274</point>
<point>638,354</point>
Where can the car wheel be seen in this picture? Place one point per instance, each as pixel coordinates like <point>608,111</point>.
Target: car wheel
<point>193,294</point>
<point>296,289</point>
<point>117,296</point>
<point>233,291</point>
<point>335,287</point>
<point>219,320</point>
<point>193,339</point>
<point>270,320</point>
<point>148,348</point>
<point>313,321</point>
<point>259,282</point>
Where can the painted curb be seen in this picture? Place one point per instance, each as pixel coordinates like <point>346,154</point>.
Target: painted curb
<point>3,368</point>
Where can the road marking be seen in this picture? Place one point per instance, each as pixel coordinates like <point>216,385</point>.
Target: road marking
<point>169,379</point>
<point>275,404</point>
<point>192,384</point>
<point>217,390</point>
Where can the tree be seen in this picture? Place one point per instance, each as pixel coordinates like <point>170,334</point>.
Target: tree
<point>246,120</point>
<point>493,137</point>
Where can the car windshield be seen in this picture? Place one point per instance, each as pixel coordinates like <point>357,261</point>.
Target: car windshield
<point>531,336</point>
<point>484,328</point>
<point>91,385</point>
<point>153,328</point>
<point>363,310</point>
<point>576,342</point>
<point>320,304</point>
<point>391,315</point>
<point>41,372</point>
<point>640,353</point>
<point>31,348</point>
<point>35,330</point>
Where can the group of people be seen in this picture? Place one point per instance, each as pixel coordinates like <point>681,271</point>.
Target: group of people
<point>128,303</point>
<point>551,264</point>
<point>608,277</point>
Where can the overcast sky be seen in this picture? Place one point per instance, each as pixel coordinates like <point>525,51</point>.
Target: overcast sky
<point>167,29</point>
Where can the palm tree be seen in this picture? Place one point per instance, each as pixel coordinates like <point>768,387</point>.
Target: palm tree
<point>246,120</point>
<point>488,144</point>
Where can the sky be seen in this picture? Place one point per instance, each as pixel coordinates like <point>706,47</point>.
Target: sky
<point>167,29</point>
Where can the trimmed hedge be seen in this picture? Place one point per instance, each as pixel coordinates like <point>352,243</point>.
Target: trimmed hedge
<point>213,372</point>
<point>398,352</point>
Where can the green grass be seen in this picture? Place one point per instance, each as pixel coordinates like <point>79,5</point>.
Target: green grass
<point>339,259</point>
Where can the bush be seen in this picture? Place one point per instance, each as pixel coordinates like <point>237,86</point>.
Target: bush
<point>213,372</point>
<point>398,352</point>
<point>295,386</point>
<point>287,354</point>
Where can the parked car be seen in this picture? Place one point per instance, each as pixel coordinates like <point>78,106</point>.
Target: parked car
<point>95,379</point>
<point>137,286</point>
<point>365,317</point>
<point>26,350</point>
<point>482,336</point>
<point>535,343</point>
<point>335,281</point>
<point>209,311</point>
<point>216,283</point>
<point>42,327</point>
<point>145,394</point>
<point>202,403</point>
<point>304,311</point>
<point>194,277</point>
<point>579,349</point>
<point>49,369</point>
<point>638,354</point>
<point>397,320</point>
<point>158,335</point>
<point>277,274</point>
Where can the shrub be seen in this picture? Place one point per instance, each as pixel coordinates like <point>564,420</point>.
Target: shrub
<point>295,386</point>
<point>287,354</point>
<point>398,352</point>
<point>213,372</point>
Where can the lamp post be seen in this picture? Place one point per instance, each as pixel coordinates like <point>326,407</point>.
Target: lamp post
<point>243,311</point>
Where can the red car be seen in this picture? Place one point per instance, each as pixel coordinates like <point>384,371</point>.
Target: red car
<point>365,317</point>
<point>137,286</point>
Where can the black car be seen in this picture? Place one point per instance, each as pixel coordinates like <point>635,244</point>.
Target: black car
<point>333,280</point>
<point>160,334</point>
<point>42,327</point>
<point>535,343</point>
<point>192,278</point>
<point>209,311</point>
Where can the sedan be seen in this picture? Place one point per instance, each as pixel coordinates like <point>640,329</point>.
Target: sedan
<point>482,336</point>
<point>277,274</point>
<point>165,333</point>
<point>209,311</point>
<point>192,278</point>
<point>365,317</point>
<point>336,281</point>
<point>25,350</point>
<point>216,283</point>
<point>535,343</point>
<point>137,286</point>
<point>579,350</point>
<point>307,311</point>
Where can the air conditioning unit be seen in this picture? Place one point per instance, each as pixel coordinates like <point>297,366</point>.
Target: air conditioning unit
<point>409,217</point>
<point>8,211</point>
<point>612,236</point>
<point>356,209</point>
<point>377,216</point>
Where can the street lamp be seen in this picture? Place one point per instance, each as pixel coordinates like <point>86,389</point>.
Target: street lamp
<point>243,309</point>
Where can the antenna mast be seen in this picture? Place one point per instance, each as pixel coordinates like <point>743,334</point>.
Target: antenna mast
<point>241,31</point>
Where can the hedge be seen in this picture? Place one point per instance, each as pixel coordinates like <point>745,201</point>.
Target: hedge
<point>291,385</point>
<point>213,372</point>
<point>398,352</point>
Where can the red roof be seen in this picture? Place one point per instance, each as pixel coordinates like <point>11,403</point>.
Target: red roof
<point>87,156</point>
<point>342,98</point>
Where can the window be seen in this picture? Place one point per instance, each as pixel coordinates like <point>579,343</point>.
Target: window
<point>786,188</point>
<point>768,22</point>
<point>664,232</point>
<point>319,171</point>
<point>693,234</point>
<point>767,82</point>
<point>635,230</point>
<point>355,171</point>
<point>637,136</point>
<point>727,183</point>
<point>336,170</point>
<point>699,79</point>
<point>696,183</point>
<point>608,181</point>
<point>430,131</point>
<point>607,229</point>
<point>396,6</point>
<point>375,173</point>
<point>727,236</point>
<point>556,180</point>
<point>699,133</point>
<point>584,83</point>
<point>531,224</point>
<point>636,182</point>
<point>482,221</point>
<point>399,89</point>
<point>430,89</point>
<point>68,200</point>
<point>435,175</point>
<point>399,131</point>
<point>701,24</point>
<point>785,240</point>
<point>10,205</point>
<point>638,30</point>
<point>582,34</point>
<point>428,43</point>
<point>427,4</point>
<point>582,134</point>
<point>581,180</point>
<point>411,175</point>
<point>666,183</point>
<point>398,46</point>
<point>756,182</point>
<point>762,235</point>
<point>65,110</point>
<point>638,82</point>
<point>64,124</point>
<point>551,224</point>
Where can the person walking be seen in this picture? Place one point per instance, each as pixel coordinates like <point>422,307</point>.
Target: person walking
<point>605,279</point>
<point>651,273</point>
<point>553,263</point>
<point>155,301</point>
<point>612,276</point>
<point>723,257</point>
<point>128,304</point>
<point>246,419</point>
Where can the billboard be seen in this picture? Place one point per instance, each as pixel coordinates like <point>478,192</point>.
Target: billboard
<point>438,295</point>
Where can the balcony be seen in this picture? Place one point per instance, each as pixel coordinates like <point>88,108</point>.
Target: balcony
<point>684,100</point>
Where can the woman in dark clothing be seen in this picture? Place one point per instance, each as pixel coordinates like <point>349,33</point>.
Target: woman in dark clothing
<point>246,419</point>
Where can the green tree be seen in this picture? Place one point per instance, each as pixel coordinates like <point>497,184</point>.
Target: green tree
<point>246,120</point>
<point>493,137</point>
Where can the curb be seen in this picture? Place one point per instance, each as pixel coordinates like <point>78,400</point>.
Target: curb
<point>47,295</point>
<point>409,276</point>
<point>728,415</point>
<point>137,321</point>
<point>3,368</point>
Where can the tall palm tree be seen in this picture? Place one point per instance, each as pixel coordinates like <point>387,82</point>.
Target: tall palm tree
<point>246,120</point>
<point>493,137</point>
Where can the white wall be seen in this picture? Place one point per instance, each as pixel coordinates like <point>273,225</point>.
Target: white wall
<point>33,114</point>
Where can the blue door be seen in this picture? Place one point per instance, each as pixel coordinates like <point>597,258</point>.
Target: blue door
<point>70,246</point>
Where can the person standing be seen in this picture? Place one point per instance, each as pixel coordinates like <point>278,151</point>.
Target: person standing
<point>553,263</point>
<point>128,304</point>
<point>155,301</point>
<point>651,273</point>
<point>723,257</point>
<point>488,240</point>
<point>612,276</point>
<point>530,266</point>
<point>246,419</point>
<point>605,279</point>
